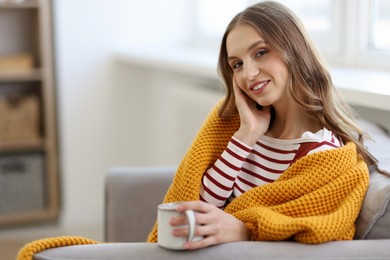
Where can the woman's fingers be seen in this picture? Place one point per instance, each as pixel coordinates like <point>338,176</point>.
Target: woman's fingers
<point>208,241</point>
<point>200,230</point>
<point>178,221</point>
<point>236,88</point>
<point>213,224</point>
<point>197,206</point>
<point>239,95</point>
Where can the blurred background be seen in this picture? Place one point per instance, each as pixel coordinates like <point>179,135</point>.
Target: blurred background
<point>134,81</point>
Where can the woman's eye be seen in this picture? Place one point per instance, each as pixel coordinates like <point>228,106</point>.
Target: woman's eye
<point>260,53</point>
<point>236,65</point>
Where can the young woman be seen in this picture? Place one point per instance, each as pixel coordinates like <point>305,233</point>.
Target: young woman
<point>280,157</point>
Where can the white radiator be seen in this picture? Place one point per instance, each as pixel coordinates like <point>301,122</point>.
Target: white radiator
<point>186,108</point>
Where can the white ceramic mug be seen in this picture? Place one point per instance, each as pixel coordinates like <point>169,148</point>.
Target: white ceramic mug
<point>165,239</point>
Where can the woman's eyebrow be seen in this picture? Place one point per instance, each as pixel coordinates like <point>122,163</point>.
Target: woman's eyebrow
<point>253,45</point>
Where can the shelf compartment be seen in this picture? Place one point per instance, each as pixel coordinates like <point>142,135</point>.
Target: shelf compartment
<point>23,183</point>
<point>21,75</point>
<point>21,116</point>
<point>23,34</point>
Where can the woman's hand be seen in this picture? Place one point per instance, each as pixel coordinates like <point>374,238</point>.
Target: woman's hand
<point>215,225</point>
<point>254,121</point>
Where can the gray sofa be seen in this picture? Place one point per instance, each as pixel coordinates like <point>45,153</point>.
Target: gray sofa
<point>133,193</point>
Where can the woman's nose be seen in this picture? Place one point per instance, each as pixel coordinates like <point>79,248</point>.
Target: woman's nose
<point>251,70</point>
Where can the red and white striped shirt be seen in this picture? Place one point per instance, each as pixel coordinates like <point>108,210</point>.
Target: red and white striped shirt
<point>241,167</point>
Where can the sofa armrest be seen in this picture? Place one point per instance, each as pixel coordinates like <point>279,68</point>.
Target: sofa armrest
<point>131,198</point>
<point>355,249</point>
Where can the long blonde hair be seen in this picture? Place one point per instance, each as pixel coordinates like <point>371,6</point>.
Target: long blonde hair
<point>310,83</point>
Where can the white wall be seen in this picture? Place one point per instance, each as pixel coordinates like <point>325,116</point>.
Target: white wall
<point>87,33</point>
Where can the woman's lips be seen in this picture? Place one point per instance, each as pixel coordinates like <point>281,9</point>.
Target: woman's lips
<point>259,86</point>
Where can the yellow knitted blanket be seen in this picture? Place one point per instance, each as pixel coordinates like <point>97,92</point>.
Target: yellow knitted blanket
<point>317,199</point>
<point>28,251</point>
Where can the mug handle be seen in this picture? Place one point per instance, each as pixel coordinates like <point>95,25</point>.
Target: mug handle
<point>190,214</point>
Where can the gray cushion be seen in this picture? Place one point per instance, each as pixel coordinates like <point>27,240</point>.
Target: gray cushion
<point>374,218</point>
<point>379,146</point>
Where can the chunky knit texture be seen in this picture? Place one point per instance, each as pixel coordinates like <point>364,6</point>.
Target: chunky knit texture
<point>28,251</point>
<point>317,199</point>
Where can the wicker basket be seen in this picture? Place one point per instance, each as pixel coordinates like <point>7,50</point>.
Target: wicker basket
<point>19,118</point>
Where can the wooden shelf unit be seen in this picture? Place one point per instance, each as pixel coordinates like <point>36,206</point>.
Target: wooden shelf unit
<point>27,28</point>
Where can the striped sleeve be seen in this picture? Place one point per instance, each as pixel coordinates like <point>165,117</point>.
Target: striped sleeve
<point>218,181</point>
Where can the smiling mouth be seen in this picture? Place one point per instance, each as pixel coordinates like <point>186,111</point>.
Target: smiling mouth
<point>259,86</point>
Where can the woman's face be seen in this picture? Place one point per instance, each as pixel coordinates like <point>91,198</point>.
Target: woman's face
<point>258,70</point>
